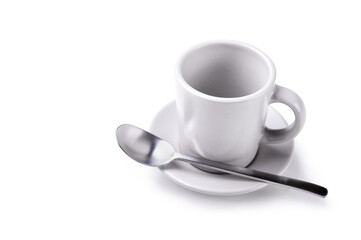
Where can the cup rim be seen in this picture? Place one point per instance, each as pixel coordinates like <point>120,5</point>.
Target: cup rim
<point>261,54</point>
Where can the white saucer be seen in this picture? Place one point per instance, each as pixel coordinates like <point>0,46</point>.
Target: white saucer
<point>273,158</point>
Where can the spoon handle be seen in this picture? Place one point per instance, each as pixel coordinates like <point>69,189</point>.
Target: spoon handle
<point>255,174</point>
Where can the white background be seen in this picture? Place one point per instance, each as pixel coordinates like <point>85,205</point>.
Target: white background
<point>72,71</point>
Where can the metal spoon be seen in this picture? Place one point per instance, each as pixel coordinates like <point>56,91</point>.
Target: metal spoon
<point>151,150</point>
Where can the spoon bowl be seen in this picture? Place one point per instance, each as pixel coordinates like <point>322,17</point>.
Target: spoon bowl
<point>143,146</point>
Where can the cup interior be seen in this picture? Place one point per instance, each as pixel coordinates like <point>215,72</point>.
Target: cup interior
<point>226,70</point>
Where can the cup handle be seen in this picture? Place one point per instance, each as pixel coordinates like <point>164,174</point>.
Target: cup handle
<point>291,99</point>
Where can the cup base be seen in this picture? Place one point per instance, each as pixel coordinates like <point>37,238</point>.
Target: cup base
<point>208,170</point>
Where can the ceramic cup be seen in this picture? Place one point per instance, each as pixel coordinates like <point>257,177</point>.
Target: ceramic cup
<point>223,89</point>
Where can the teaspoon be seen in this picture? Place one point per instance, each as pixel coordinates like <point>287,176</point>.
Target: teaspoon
<point>151,150</point>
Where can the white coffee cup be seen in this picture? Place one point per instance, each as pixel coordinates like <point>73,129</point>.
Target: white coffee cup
<point>222,94</point>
